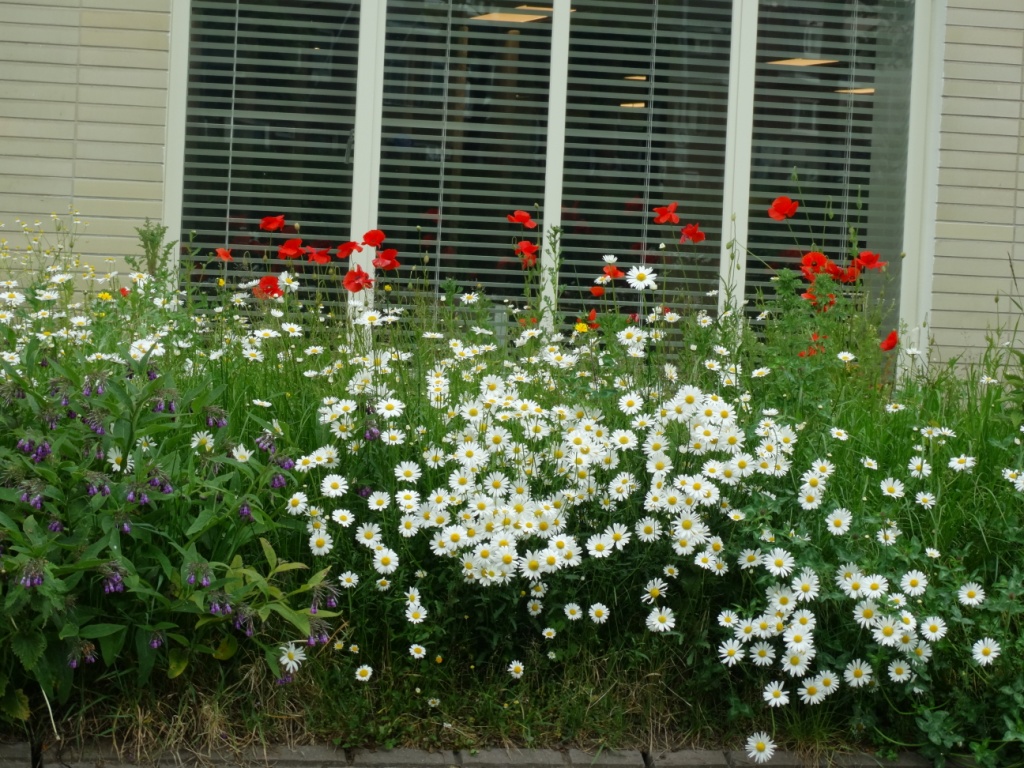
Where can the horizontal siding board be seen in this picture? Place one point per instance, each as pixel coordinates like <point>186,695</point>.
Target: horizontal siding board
<point>977,35</point>
<point>982,107</point>
<point>35,166</point>
<point>974,143</point>
<point>984,54</point>
<point>31,72</point>
<point>108,94</point>
<point>132,39</point>
<point>156,6</point>
<point>950,161</point>
<point>16,90</point>
<point>35,185</point>
<point>36,147</point>
<point>28,128</point>
<point>137,134</point>
<point>36,54</point>
<point>988,178</point>
<point>107,150</point>
<point>136,211</point>
<point>983,17</point>
<point>38,14</point>
<point>128,59</point>
<point>976,214</point>
<point>132,190</point>
<point>957,230</point>
<point>987,196</point>
<point>106,169</point>
<point>40,110</point>
<point>122,76</point>
<point>122,115</point>
<point>159,22</point>
<point>51,36</point>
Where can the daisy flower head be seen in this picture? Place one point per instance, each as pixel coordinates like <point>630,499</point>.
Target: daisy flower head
<point>573,612</point>
<point>925,499</point>
<point>641,278</point>
<point>292,656</point>
<point>516,669</point>
<point>839,434</point>
<point>364,673</point>
<point>869,463</point>
<point>962,463</point>
<point>760,747</point>
<point>914,583</point>
<point>333,486</point>
<point>933,628</point>
<point>417,651</point>
<point>900,671</point>
<point>971,594</point>
<point>654,589</point>
<point>762,654</point>
<point>775,694</point>
<point>838,521</point>
<point>892,488</point>
<point>985,651</point>
<point>779,562</point>
<point>598,613</point>
<point>846,357</point>
<point>858,673</point>
<point>548,633</point>
<point>661,620</point>
<point>731,652</point>
<point>919,468</point>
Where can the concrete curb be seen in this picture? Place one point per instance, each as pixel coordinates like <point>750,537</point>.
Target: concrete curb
<point>319,756</point>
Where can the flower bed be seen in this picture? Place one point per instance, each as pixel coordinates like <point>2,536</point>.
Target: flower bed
<point>759,514</point>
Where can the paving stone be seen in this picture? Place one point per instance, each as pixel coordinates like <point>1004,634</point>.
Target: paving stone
<point>779,760</point>
<point>606,758</point>
<point>685,758</point>
<point>519,758</point>
<point>402,758</point>
<point>18,754</point>
<point>309,756</point>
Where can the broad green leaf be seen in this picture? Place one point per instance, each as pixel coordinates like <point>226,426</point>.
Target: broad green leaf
<point>269,553</point>
<point>202,522</point>
<point>14,704</point>
<point>226,649</point>
<point>111,645</point>
<point>177,661</point>
<point>94,631</point>
<point>28,645</point>
<point>296,619</point>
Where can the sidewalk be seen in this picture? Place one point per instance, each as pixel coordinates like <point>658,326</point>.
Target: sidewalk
<point>12,755</point>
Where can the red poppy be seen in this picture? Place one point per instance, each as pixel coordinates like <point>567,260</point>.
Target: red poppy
<point>125,292</point>
<point>614,272</point>
<point>224,254</point>
<point>692,233</point>
<point>320,257</point>
<point>815,261</point>
<point>356,280</point>
<point>849,275</point>
<point>521,217</point>
<point>267,288</point>
<point>666,214</point>
<point>373,238</point>
<point>890,341</point>
<point>592,319</point>
<point>527,251</point>
<point>868,260</point>
<point>386,259</point>
<point>272,223</point>
<point>290,249</point>
<point>783,208</point>
<point>347,249</point>
<point>597,291</point>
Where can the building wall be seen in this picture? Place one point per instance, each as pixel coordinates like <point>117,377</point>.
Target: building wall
<point>980,215</point>
<point>83,93</point>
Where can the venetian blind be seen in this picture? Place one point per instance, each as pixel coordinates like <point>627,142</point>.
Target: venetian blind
<point>831,106</point>
<point>271,105</point>
<point>463,144</point>
<point>648,89</point>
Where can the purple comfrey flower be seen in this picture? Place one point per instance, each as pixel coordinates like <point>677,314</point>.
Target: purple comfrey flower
<point>278,481</point>
<point>156,640</point>
<point>285,462</point>
<point>245,511</point>
<point>371,434</point>
<point>112,578</point>
<point>365,491</point>
<point>32,574</point>
<point>56,526</point>
<point>158,406</point>
<point>152,374</point>
<point>285,680</point>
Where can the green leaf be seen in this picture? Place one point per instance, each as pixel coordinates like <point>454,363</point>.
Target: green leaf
<point>269,553</point>
<point>226,649</point>
<point>28,645</point>
<point>68,630</point>
<point>111,645</point>
<point>283,567</point>
<point>294,618</point>
<point>202,522</point>
<point>94,631</point>
<point>14,704</point>
<point>177,661</point>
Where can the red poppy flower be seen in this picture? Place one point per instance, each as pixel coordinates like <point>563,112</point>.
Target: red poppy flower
<point>783,208</point>
<point>272,223</point>
<point>614,272</point>
<point>267,288</point>
<point>592,319</point>
<point>849,275</point>
<point>224,254</point>
<point>386,259</point>
<point>890,341</point>
<point>373,238</point>
<point>356,280</point>
<point>692,233</point>
<point>868,260</point>
<point>597,291</point>
<point>666,214</point>
<point>347,249</point>
<point>815,261</point>
<point>521,217</point>
<point>527,251</point>
<point>125,292</point>
<point>290,249</point>
<point>320,257</point>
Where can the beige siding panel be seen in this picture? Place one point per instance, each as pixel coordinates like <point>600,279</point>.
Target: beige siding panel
<point>159,22</point>
<point>962,70</point>
<point>124,38</point>
<point>117,57</point>
<point>160,6</point>
<point>141,97</point>
<point>126,77</point>
<point>91,113</point>
<point>37,91</point>
<point>33,34</point>
<point>973,143</point>
<point>974,89</point>
<point>131,190</point>
<point>40,110</point>
<point>985,178</point>
<point>118,208</point>
<point>127,245</point>
<point>101,169</point>
<point>985,126</point>
<point>975,35</point>
<point>952,160</point>
<point>970,286</point>
<point>990,303</point>
<point>39,73</point>
<point>139,153</point>
<point>971,249</point>
<point>106,132</point>
<point>33,147</point>
<point>964,320</point>
<point>976,107</point>
<point>977,195</point>
<point>988,54</point>
<point>954,230</point>
<point>979,16</point>
<point>44,129</point>
<point>35,185</point>
<point>974,267</point>
<point>35,166</point>
<point>37,53</point>
<point>39,15</point>
<point>978,214</point>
